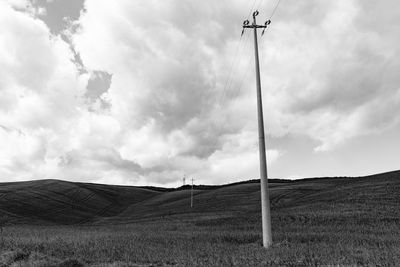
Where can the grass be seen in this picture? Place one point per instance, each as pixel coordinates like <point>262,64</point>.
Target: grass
<point>299,241</point>
<point>326,222</point>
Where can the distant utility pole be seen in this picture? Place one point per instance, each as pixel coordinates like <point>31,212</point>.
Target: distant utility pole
<point>265,206</point>
<point>191,195</point>
<point>184,180</point>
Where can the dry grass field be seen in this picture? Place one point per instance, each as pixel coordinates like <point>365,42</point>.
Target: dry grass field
<point>316,222</point>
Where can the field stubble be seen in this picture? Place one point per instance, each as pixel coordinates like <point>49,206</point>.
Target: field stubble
<point>235,241</point>
<point>326,222</point>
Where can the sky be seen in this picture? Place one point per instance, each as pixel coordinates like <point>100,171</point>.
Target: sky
<point>145,92</point>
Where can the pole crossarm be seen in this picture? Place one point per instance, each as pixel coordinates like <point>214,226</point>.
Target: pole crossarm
<point>254,26</point>
<point>247,25</point>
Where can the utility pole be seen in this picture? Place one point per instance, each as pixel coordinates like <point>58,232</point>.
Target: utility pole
<point>184,180</point>
<point>191,195</point>
<point>265,205</point>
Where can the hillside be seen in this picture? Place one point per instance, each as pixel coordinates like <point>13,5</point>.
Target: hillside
<point>60,202</point>
<point>315,222</point>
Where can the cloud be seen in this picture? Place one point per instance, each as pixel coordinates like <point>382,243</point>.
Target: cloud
<point>237,160</point>
<point>58,15</point>
<point>138,92</point>
<point>327,78</point>
<point>96,90</point>
<point>40,90</point>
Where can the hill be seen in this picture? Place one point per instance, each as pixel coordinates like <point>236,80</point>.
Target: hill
<point>60,202</point>
<point>337,221</point>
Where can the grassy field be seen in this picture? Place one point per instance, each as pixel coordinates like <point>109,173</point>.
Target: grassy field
<point>316,222</point>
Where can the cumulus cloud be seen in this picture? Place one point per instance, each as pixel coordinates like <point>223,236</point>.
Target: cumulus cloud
<point>39,87</point>
<point>136,92</point>
<point>328,72</point>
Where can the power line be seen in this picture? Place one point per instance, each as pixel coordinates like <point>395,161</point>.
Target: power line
<point>248,61</point>
<point>242,80</point>
<point>237,60</point>
<point>251,9</point>
<point>245,75</point>
<point>246,42</point>
<point>223,95</point>
<point>229,79</point>
<point>272,14</point>
<point>242,44</point>
<point>259,4</point>
<point>276,7</point>
<point>233,65</point>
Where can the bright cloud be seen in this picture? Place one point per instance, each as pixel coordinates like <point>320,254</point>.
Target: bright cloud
<point>135,92</point>
<point>338,70</point>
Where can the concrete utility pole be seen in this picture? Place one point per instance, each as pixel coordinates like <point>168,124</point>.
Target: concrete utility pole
<point>265,205</point>
<point>191,195</point>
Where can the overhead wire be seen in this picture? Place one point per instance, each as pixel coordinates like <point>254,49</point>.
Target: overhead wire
<point>244,76</point>
<point>245,45</point>
<point>241,46</point>
<point>236,61</point>
<point>237,58</point>
<point>259,4</point>
<point>276,7</point>
<point>248,61</point>
<point>244,48</point>
<point>227,87</point>
<point>229,80</point>
<point>252,9</point>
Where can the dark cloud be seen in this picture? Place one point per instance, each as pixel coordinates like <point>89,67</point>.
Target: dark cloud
<point>137,90</point>
<point>178,94</point>
<point>59,13</point>
<point>349,83</point>
<point>102,158</point>
<point>98,84</point>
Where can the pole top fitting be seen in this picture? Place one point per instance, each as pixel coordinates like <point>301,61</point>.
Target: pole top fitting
<point>255,13</point>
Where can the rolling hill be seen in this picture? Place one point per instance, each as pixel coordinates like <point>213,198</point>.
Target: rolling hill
<point>55,202</point>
